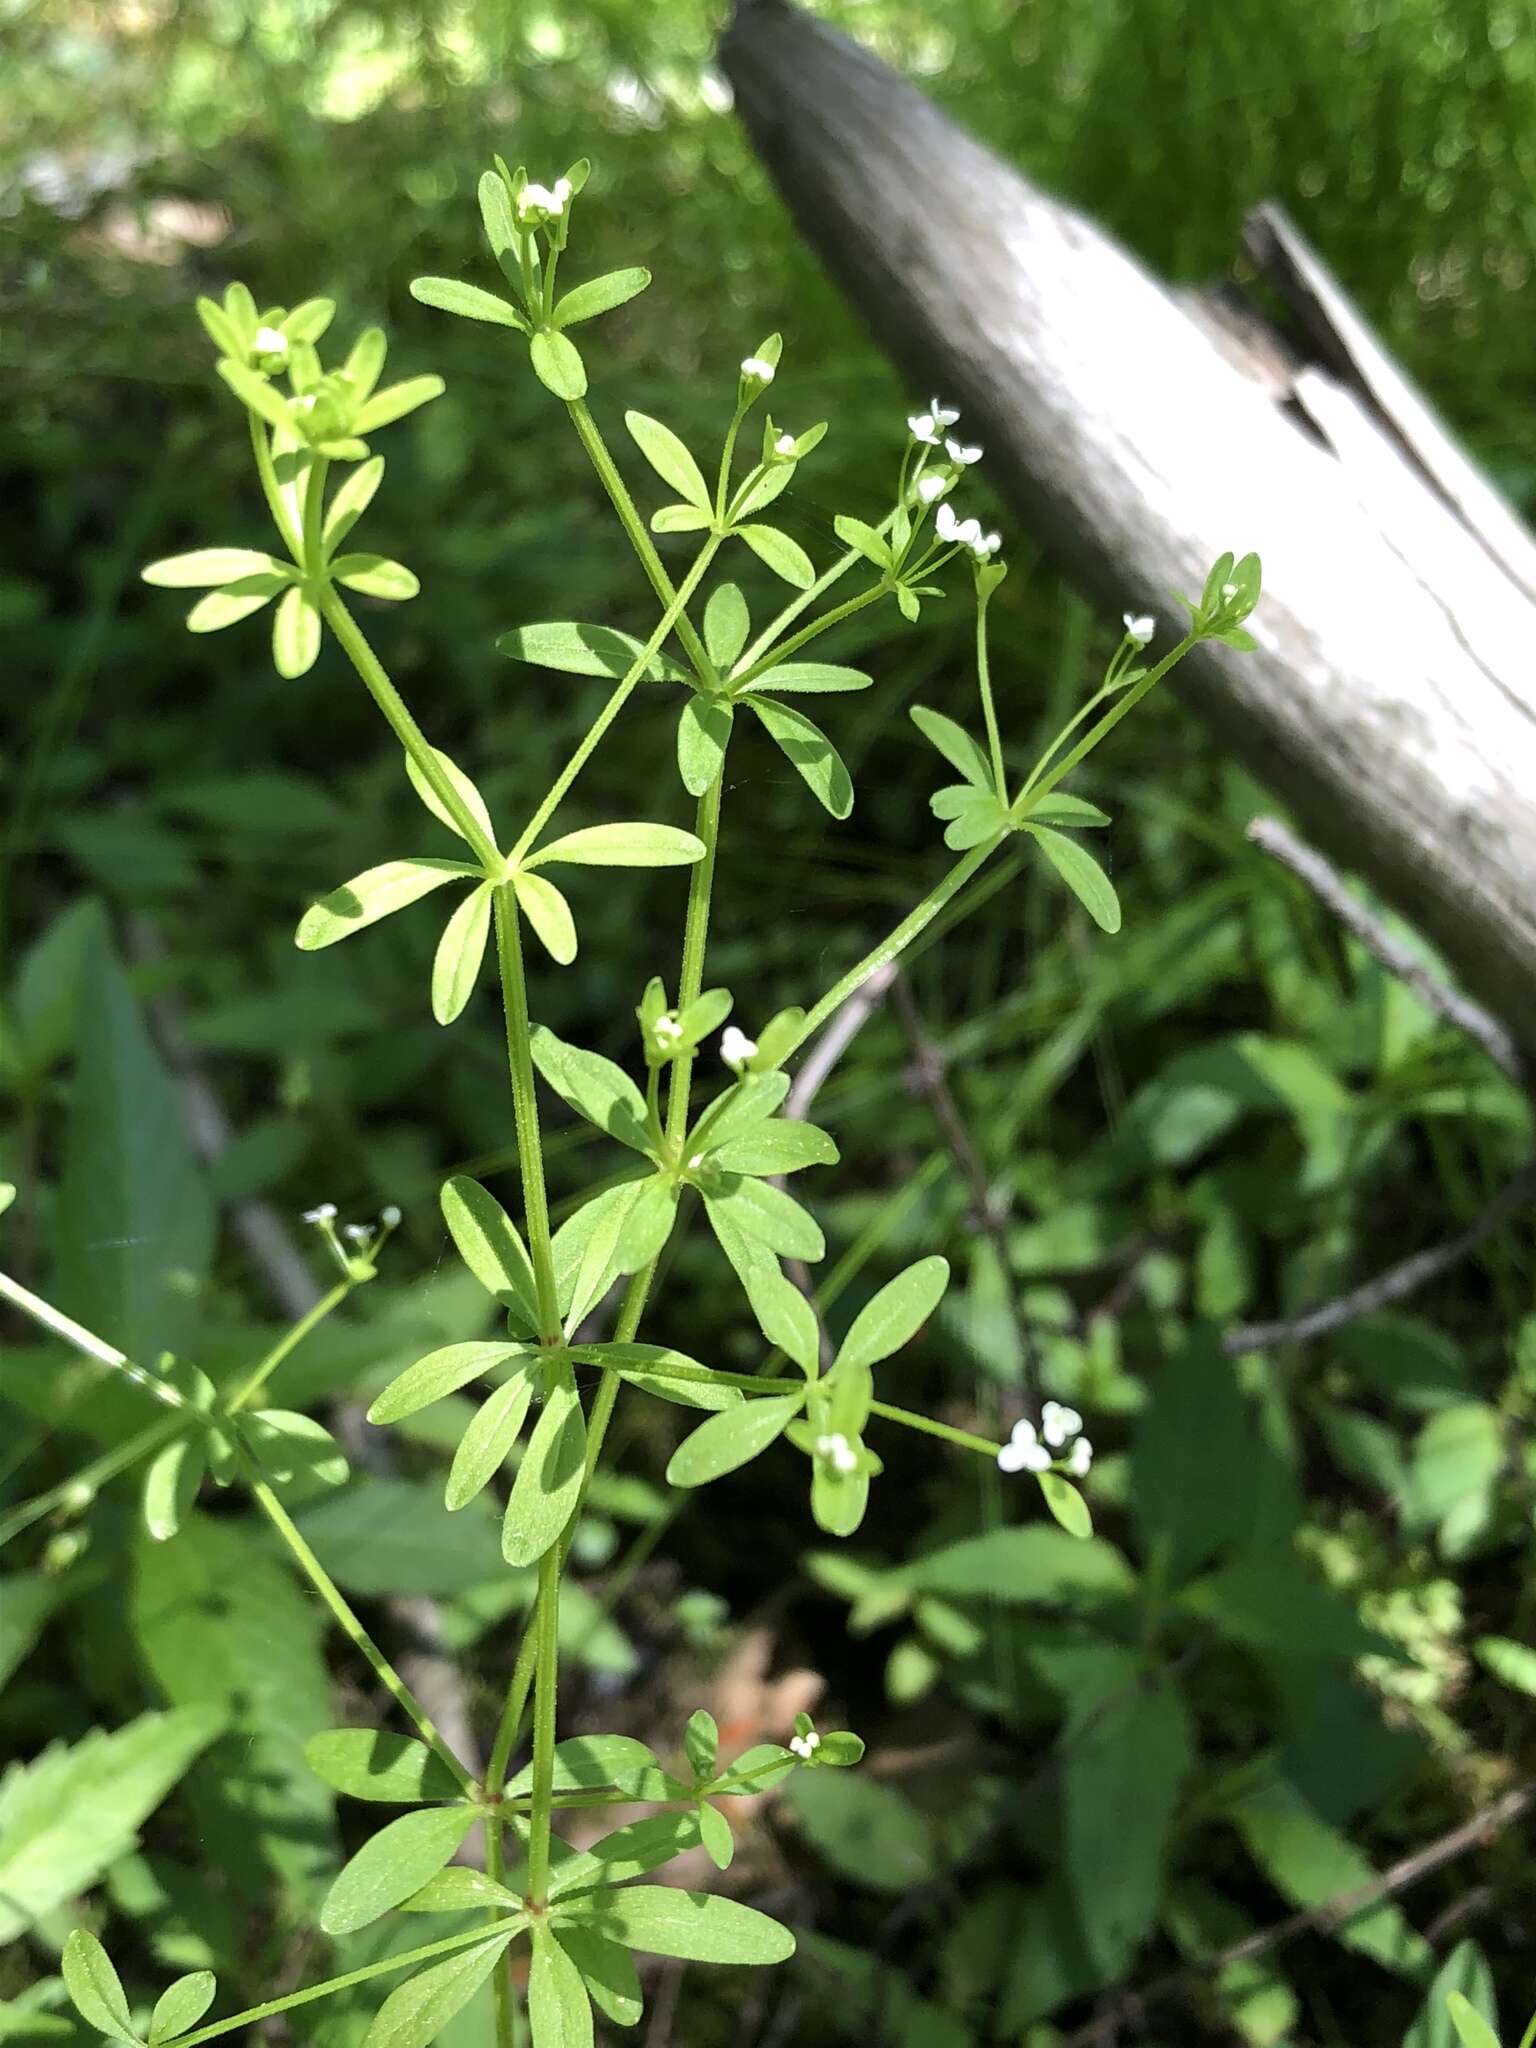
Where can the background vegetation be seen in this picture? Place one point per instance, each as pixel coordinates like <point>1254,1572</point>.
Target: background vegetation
<point>1300,1648</point>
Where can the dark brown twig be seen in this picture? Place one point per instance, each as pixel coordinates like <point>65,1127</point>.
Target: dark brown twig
<point>1326,1918</point>
<point>1308,864</point>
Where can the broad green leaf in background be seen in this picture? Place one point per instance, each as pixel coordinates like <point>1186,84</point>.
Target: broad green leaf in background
<point>73,1810</point>
<point>389,1537</point>
<point>135,1227</point>
<point>27,1599</point>
<point>863,1830</point>
<point>1033,1565</point>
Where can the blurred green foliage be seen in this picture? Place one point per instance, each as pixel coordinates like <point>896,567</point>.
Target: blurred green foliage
<point>1296,1653</point>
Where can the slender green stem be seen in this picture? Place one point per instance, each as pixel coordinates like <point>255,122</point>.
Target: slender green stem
<point>725,464</point>
<point>808,633</point>
<point>272,491</point>
<point>311,1992</point>
<point>909,1419</point>
<point>349,1624</point>
<point>697,1375</point>
<point>285,1346</point>
<point>501,1983</point>
<point>546,1670</point>
<point>896,942</point>
<point>618,492</point>
<point>525,1109</point>
<point>81,1339</point>
<point>701,884</point>
<point>672,616</point>
<point>406,730</point>
<point>1127,703</point>
<point>511,1724</point>
<point>769,637</point>
<point>314,520</point>
<point>988,708</point>
<point>90,1478</point>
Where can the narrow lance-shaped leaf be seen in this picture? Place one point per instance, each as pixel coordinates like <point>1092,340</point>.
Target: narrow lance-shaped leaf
<point>181,2005</point>
<point>662,1921</point>
<point>396,400</point>
<point>392,1864</point>
<point>1082,875</point>
<point>206,568</point>
<point>439,1374</point>
<point>584,651</point>
<point>670,458</point>
<point>548,1482</point>
<point>468,301</point>
<point>295,633</point>
<point>549,913</point>
<point>727,622</point>
<point>351,501</point>
<point>703,733</point>
<point>559,2011</point>
<point>488,1242</point>
<point>95,1987</point>
<point>633,844</point>
<point>372,1763</point>
<point>487,1443</point>
<point>807,747</point>
<point>376,893</point>
<point>460,952</point>
<point>895,1315</point>
<point>600,295</point>
<point>557,364</point>
<point>732,1438</point>
<point>375,576</point>
<point>785,557</point>
<point>417,2011</point>
<point>955,744</point>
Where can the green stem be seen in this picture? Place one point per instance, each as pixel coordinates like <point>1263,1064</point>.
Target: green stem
<point>545,1681</point>
<point>249,1388</point>
<point>988,708</point>
<point>525,1109</point>
<point>311,1992</point>
<point>261,448</point>
<point>672,616</point>
<point>406,730</point>
<point>81,1339</point>
<point>349,1624</point>
<point>511,1723</point>
<point>808,633</point>
<point>1127,703</point>
<point>701,884</point>
<point>943,1430</point>
<point>153,1437</point>
<point>770,634</point>
<point>501,1984</point>
<point>618,492</point>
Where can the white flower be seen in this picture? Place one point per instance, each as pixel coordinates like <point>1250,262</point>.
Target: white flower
<point>736,1048</point>
<point>1139,626</point>
<point>923,427</point>
<point>838,1452</point>
<point>271,341</point>
<point>1080,1458</point>
<point>945,524</point>
<point>964,456</point>
<point>359,1233</point>
<point>1058,1425</point>
<point>667,1030</point>
<point>785,445</point>
<point>932,486</point>
<point>756,371</point>
<point>805,1746</point>
<point>943,415</point>
<point>326,1213</point>
<point>1229,591</point>
<point>986,544</point>
<point>1024,1451</point>
<point>537,199</point>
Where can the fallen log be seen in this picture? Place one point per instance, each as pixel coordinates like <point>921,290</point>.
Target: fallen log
<point>1392,702</point>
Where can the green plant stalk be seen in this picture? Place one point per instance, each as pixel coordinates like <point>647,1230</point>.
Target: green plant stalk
<point>546,1668</point>
<point>286,1345</point>
<point>813,631</point>
<point>311,1992</point>
<point>769,636</point>
<point>1106,725</point>
<point>349,1624</point>
<point>701,886</point>
<point>141,1444</point>
<point>988,708</point>
<point>81,1339</point>
<point>525,1109</point>
<point>261,448</point>
<point>634,526</point>
<point>623,690</point>
<point>909,1419</point>
<point>501,1983</point>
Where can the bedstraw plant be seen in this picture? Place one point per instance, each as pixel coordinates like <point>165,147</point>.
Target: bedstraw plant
<point>575,1298</point>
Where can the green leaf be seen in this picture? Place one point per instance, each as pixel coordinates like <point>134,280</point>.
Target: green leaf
<point>1057,808</point>
<point>975,815</point>
<point>73,1810</point>
<point>1472,2029</point>
<point>1512,1664</point>
<point>295,633</point>
<point>496,214</point>
<point>786,1318</point>
<point>703,733</point>
<point>727,622</point>
<point>785,557</point>
<point>221,608</point>
<point>783,1145</point>
<point>602,1763</point>
<point>748,1103</point>
<point>584,651</point>
<point>390,1538</point>
<point>449,295</point>
<point>457,1890</point>
<point>441,1373</point>
<point>548,1482</point>
<point>807,747</point>
<point>487,1443</point>
<point>679,519</point>
<point>1464,1973</point>
<point>392,1864</point>
<point>662,1921</point>
<point>715,1832</point>
<point>760,1210</point>
<point>645,1365</point>
<point>254,391</point>
<point>559,2011</point>
<point>670,459</point>
<point>94,1986</point>
<point>732,1438</point>
<point>812,678</point>
<point>488,1243</point>
<point>371,1763</point>
<point>633,844</point>
<point>549,914</point>
<point>864,1830</point>
<point>221,1629</point>
<point>607,1972</point>
<point>701,1743</point>
<point>1082,875</point>
<point>1066,1504</point>
<point>206,568</point>
<point>376,893</point>
<point>956,745</point>
<point>396,400</point>
<point>181,2005</point>
<point>595,1087</point>
<point>134,1220</point>
<point>171,1485</point>
<point>1030,1566</point>
<point>375,576</point>
<point>863,539</point>
<point>460,954</point>
<point>601,295</point>
<point>896,1314</point>
<point>308,320</point>
<point>557,364</point>
<point>419,2010</point>
<point>27,1599</point>
<point>630,1851</point>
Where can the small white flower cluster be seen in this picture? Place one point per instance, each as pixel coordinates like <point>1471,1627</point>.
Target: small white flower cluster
<point>536,202</point>
<point>929,426</point>
<point>325,1213</point>
<point>1032,1450</point>
<point>838,1452</point>
<point>805,1746</point>
<point>365,1236</point>
<point>1139,627</point>
<point>736,1048</point>
<point>966,533</point>
<point>756,371</point>
<point>666,1030</point>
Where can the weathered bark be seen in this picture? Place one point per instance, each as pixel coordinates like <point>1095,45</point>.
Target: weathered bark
<point>1392,701</point>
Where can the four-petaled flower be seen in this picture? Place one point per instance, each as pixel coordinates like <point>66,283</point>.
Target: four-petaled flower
<point>957,452</point>
<point>1058,1441</point>
<point>929,426</point>
<point>756,370</point>
<point>805,1746</point>
<point>736,1048</point>
<point>537,202</point>
<point>1139,627</point>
